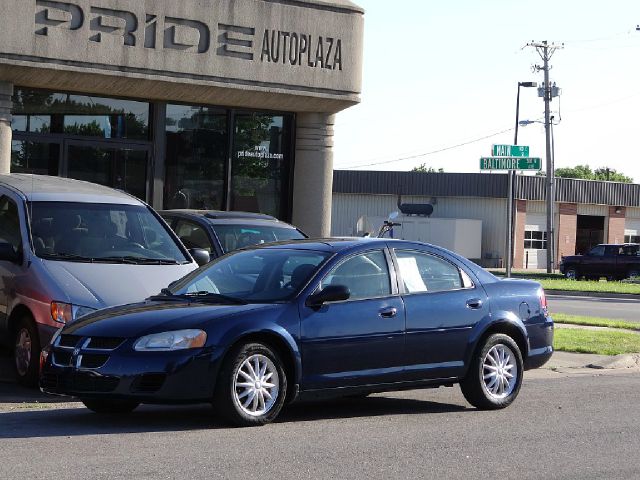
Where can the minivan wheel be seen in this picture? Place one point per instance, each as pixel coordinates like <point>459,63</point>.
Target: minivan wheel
<point>110,406</point>
<point>26,351</point>
<point>495,374</point>
<point>251,386</point>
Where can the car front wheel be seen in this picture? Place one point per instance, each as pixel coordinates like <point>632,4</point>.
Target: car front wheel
<point>571,274</point>
<point>26,352</point>
<point>495,374</point>
<point>251,386</point>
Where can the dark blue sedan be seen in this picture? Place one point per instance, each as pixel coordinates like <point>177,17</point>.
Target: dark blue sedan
<point>267,325</point>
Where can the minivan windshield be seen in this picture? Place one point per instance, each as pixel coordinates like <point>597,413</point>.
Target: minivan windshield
<point>106,233</point>
<point>260,275</point>
<point>233,237</point>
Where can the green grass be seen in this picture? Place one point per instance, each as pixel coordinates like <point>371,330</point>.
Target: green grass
<point>580,286</point>
<point>593,321</point>
<point>556,281</point>
<point>600,342</point>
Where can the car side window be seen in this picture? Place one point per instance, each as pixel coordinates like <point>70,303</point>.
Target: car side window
<point>612,251</point>
<point>423,272</point>
<point>10,223</point>
<point>597,251</point>
<point>365,275</point>
<point>193,235</point>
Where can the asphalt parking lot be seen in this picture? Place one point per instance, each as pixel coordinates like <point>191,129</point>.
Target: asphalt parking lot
<point>562,426</point>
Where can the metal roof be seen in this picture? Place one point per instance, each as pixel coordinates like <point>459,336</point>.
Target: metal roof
<point>568,190</point>
<point>59,189</point>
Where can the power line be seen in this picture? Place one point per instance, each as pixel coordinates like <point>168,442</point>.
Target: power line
<point>418,155</point>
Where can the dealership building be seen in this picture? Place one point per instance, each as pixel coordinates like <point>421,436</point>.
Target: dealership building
<point>205,104</point>
<point>587,212</point>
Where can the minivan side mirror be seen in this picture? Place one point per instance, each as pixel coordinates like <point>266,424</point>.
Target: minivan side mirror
<point>200,255</point>
<point>330,293</point>
<point>9,254</point>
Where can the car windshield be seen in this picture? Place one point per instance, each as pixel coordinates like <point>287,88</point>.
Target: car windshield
<point>109,233</point>
<point>233,237</point>
<point>256,276</point>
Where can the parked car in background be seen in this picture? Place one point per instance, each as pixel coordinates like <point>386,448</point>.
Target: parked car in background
<point>68,248</point>
<point>220,232</point>
<point>307,319</point>
<point>614,261</point>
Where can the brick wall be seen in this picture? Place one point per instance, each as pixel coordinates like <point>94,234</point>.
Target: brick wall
<point>567,229</point>
<point>616,225</point>
<point>518,240</point>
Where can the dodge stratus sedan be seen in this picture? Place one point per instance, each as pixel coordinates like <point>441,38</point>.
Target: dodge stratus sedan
<point>267,325</point>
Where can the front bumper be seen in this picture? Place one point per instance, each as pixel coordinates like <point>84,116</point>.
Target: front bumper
<point>186,376</point>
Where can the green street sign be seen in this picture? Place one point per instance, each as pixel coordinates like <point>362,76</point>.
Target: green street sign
<point>510,163</point>
<point>510,151</point>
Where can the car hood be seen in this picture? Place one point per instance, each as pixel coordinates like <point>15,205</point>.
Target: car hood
<point>156,316</point>
<point>100,285</point>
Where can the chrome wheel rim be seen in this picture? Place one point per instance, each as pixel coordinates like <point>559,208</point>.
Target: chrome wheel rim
<point>23,352</point>
<point>571,275</point>
<point>256,385</point>
<point>499,372</point>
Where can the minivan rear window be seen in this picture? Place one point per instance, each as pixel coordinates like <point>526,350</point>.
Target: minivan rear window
<point>110,233</point>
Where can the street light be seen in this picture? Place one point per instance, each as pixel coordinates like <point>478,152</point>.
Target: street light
<point>512,177</point>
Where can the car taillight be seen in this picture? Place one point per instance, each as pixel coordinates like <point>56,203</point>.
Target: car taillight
<point>543,300</point>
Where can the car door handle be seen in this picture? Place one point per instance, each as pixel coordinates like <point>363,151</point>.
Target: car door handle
<point>474,303</point>
<point>389,312</point>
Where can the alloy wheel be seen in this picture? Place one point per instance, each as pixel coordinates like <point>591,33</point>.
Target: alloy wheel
<point>499,371</point>
<point>256,385</point>
<point>23,351</point>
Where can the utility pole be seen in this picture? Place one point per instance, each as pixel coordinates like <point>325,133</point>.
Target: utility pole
<point>546,51</point>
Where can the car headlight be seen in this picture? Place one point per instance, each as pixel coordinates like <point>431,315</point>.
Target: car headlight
<point>167,341</point>
<point>62,312</point>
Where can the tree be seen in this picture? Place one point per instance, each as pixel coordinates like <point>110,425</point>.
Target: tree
<point>424,169</point>
<point>585,172</point>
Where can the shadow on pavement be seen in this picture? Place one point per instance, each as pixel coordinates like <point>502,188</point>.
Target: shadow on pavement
<point>12,393</point>
<point>66,422</point>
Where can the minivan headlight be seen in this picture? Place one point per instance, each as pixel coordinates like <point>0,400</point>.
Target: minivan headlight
<point>168,341</point>
<point>62,312</point>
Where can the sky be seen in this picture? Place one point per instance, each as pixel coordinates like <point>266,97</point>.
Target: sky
<point>440,76</point>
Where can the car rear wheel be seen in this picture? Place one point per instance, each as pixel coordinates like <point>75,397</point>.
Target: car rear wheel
<point>26,352</point>
<point>633,274</point>
<point>110,406</point>
<point>571,274</point>
<point>251,386</point>
<point>495,374</point>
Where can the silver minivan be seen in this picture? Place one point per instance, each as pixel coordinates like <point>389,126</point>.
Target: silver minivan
<point>69,247</point>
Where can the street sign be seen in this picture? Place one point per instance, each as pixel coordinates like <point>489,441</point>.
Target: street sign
<point>510,151</point>
<point>510,163</point>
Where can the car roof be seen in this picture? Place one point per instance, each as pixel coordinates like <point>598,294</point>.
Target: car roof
<point>41,188</point>
<point>219,214</point>
<point>327,244</point>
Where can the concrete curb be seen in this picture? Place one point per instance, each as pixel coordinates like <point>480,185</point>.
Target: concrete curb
<point>628,360</point>
<point>572,293</point>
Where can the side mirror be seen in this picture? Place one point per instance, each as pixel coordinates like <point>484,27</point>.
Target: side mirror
<point>330,293</point>
<point>200,255</point>
<point>9,254</point>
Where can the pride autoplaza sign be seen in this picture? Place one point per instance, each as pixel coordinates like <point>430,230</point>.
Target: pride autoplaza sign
<point>510,157</point>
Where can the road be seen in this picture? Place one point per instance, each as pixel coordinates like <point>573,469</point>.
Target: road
<point>618,308</point>
<point>581,426</point>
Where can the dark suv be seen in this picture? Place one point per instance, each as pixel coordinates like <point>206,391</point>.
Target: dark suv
<point>614,261</point>
<point>221,232</point>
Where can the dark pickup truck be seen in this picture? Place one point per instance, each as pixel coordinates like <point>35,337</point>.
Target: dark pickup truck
<point>614,261</point>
